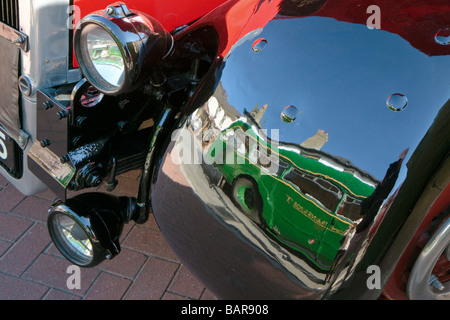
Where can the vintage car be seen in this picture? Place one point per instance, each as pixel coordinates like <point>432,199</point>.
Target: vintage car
<point>289,149</point>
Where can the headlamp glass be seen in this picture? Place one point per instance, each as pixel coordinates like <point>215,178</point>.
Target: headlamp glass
<point>102,56</point>
<point>72,239</point>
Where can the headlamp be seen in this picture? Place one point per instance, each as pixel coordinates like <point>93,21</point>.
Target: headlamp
<point>116,49</point>
<point>73,236</point>
<point>86,228</point>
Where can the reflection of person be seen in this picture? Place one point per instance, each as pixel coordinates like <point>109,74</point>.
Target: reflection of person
<point>317,141</point>
<point>371,205</point>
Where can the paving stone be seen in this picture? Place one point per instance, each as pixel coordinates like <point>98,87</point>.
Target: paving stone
<point>4,245</point>
<point>13,288</point>
<point>172,296</point>
<point>3,181</point>
<point>55,294</point>
<point>52,271</point>
<point>25,250</point>
<point>108,287</point>
<point>208,295</point>
<point>153,280</point>
<point>185,284</point>
<point>127,264</point>
<point>9,198</point>
<point>12,228</point>
<point>33,208</point>
<point>150,242</point>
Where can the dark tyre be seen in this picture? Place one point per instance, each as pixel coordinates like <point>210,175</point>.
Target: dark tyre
<point>247,198</point>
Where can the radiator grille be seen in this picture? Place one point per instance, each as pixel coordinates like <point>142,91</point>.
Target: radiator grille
<point>9,13</point>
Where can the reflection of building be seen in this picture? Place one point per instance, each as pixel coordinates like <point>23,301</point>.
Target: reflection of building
<point>216,115</point>
<point>222,112</point>
<point>317,141</point>
<point>258,113</point>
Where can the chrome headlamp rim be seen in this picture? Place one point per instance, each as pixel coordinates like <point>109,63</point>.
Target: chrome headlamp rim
<point>86,64</point>
<point>63,244</point>
<point>141,40</point>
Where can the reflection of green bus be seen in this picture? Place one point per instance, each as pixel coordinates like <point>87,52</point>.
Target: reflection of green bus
<point>107,54</point>
<point>304,198</point>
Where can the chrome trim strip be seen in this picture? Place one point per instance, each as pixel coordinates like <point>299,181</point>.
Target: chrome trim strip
<point>419,281</point>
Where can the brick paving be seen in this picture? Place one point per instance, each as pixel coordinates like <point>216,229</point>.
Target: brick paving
<point>31,268</point>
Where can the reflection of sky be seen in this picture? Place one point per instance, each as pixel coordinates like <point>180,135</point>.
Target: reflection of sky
<point>339,76</point>
<point>110,71</point>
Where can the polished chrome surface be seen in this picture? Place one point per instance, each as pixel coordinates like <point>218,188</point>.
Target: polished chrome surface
<point>422,284</point>
<point>45,65</point>
<point>293,213</point>
<point>47,61</point>
<point>120,10</point>
<point>26,85</point>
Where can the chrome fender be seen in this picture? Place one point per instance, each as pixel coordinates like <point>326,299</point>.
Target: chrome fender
<point>338,128</point>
